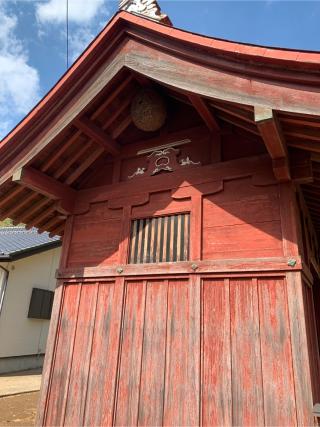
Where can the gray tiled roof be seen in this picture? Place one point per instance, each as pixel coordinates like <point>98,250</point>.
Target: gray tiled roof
<point>17,241</point>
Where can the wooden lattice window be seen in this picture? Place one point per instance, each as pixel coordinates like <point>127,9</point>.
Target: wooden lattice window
<point>162,239</point>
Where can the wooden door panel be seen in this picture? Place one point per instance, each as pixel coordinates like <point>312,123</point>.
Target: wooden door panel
<point>104,355</point>
<point>276,353</point>
<point>247,392</point>
<point>131,353</point>
<point>182,390</point>
<point>58,391</point>
<point>174,352</point>
<point>216,349</point>
<point>80,365</point>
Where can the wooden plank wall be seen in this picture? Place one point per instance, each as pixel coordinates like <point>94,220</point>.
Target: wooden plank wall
<point>184,351</point>
<point>242,221</point>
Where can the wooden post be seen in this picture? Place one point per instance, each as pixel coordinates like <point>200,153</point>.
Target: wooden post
<point>299,348</point>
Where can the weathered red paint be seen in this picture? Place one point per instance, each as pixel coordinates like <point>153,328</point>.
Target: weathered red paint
<point>228,337</point>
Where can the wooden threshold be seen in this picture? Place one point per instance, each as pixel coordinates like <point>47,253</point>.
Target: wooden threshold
<point>245,265</point>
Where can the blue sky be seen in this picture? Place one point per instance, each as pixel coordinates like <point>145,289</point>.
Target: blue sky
<point>33,37</point>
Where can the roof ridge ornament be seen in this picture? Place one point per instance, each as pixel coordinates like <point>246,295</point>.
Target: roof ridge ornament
<point>145,8</point>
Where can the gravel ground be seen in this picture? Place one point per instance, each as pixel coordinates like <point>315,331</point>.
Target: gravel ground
<point>19,410</point>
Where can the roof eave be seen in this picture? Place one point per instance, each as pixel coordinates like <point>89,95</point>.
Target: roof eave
<point>24,253</point>
<point>121,20</point>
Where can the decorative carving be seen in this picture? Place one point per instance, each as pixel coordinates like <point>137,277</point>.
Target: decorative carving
<point>163,160</point>
<point>148,110</point>
<point>139,171</point>
<point>147,8</point>
<point>187,162</point>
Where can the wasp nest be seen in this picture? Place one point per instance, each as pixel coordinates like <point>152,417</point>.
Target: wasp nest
<point>148,110</point>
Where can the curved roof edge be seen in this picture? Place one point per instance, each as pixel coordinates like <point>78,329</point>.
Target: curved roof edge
<point>288,58</point>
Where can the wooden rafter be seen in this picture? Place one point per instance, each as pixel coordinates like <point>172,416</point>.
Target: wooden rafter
<point>303,133</point>
<point>238,123</point>
<point>98,135</point>
<point>300,122</point>
<point>13,210</point>
<point>53,157</point>
<point>245,115</point>
<point>50,224</point>
<point>58,230</point>
<point>112,96</point>
<point>35,208</point>
<point>72,160</point>
<point>11,195</point>
<point>204,112</point>
<point>38,220</point>
<point>115,114</point>
<point>312,146</point>
<point>272,136</point>
<point>122,126</point>
<point>47,186</point>
<point>301,166</point>
<point>83,166</point>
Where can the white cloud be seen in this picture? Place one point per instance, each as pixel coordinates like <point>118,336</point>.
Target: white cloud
<point>84,20</point>
<point>19,82</point>
<point>80,11</point>
<point>79,40</point>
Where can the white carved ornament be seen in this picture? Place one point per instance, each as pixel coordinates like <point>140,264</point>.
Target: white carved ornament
<point>163,158</point>
<point>148,8</point>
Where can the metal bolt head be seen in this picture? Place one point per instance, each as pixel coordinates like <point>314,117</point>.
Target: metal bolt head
<point>292,262</point>
<point>194,267</point>
<point>119,270</point>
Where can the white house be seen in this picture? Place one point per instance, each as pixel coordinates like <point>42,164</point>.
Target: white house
<point>28,262</point>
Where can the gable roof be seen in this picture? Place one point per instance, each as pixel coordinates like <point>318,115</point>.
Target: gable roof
<point>290,59</point>
<point>54,143</point>
<point>17,242</point>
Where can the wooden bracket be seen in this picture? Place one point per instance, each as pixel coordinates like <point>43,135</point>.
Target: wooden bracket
<point>204,112</point>
<point>98,135</point>
<point>273,138</point>
<point>301,166</point>
<point>47,186</point>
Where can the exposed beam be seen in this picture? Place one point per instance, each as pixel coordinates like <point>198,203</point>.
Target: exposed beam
<point>83,166</point>
<point>300,122</point>
<point>38,220</point>
<point>47,186</point>
<point>73,159</point>
<point>204,112</point>
<point>57,154</point>
<point>50,224</point>
<point>10,195</point>
<point>303,133</point>
<point>314,147</point>
<point>13,210</point>
<point>98,135</point>
<point>112,96</point>
<point>31,211</point>
<point>239,123</point>
<point>301,166</point>
<point>272,136</point>
<point>245,115</point>
<point>57,230</point>
<point>115,114</point>
<point>122,126</point>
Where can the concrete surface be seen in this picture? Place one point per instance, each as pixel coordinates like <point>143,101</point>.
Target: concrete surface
<point>19,410</point>
<point>20,382</point>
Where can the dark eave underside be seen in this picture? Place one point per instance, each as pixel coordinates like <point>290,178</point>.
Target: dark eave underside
<point>73,156</point>
<point>95,135</point>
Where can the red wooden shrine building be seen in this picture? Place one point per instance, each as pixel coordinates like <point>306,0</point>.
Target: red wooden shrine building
<point>183,174</point>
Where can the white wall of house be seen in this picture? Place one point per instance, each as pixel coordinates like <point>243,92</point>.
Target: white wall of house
<point>20,336</point>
